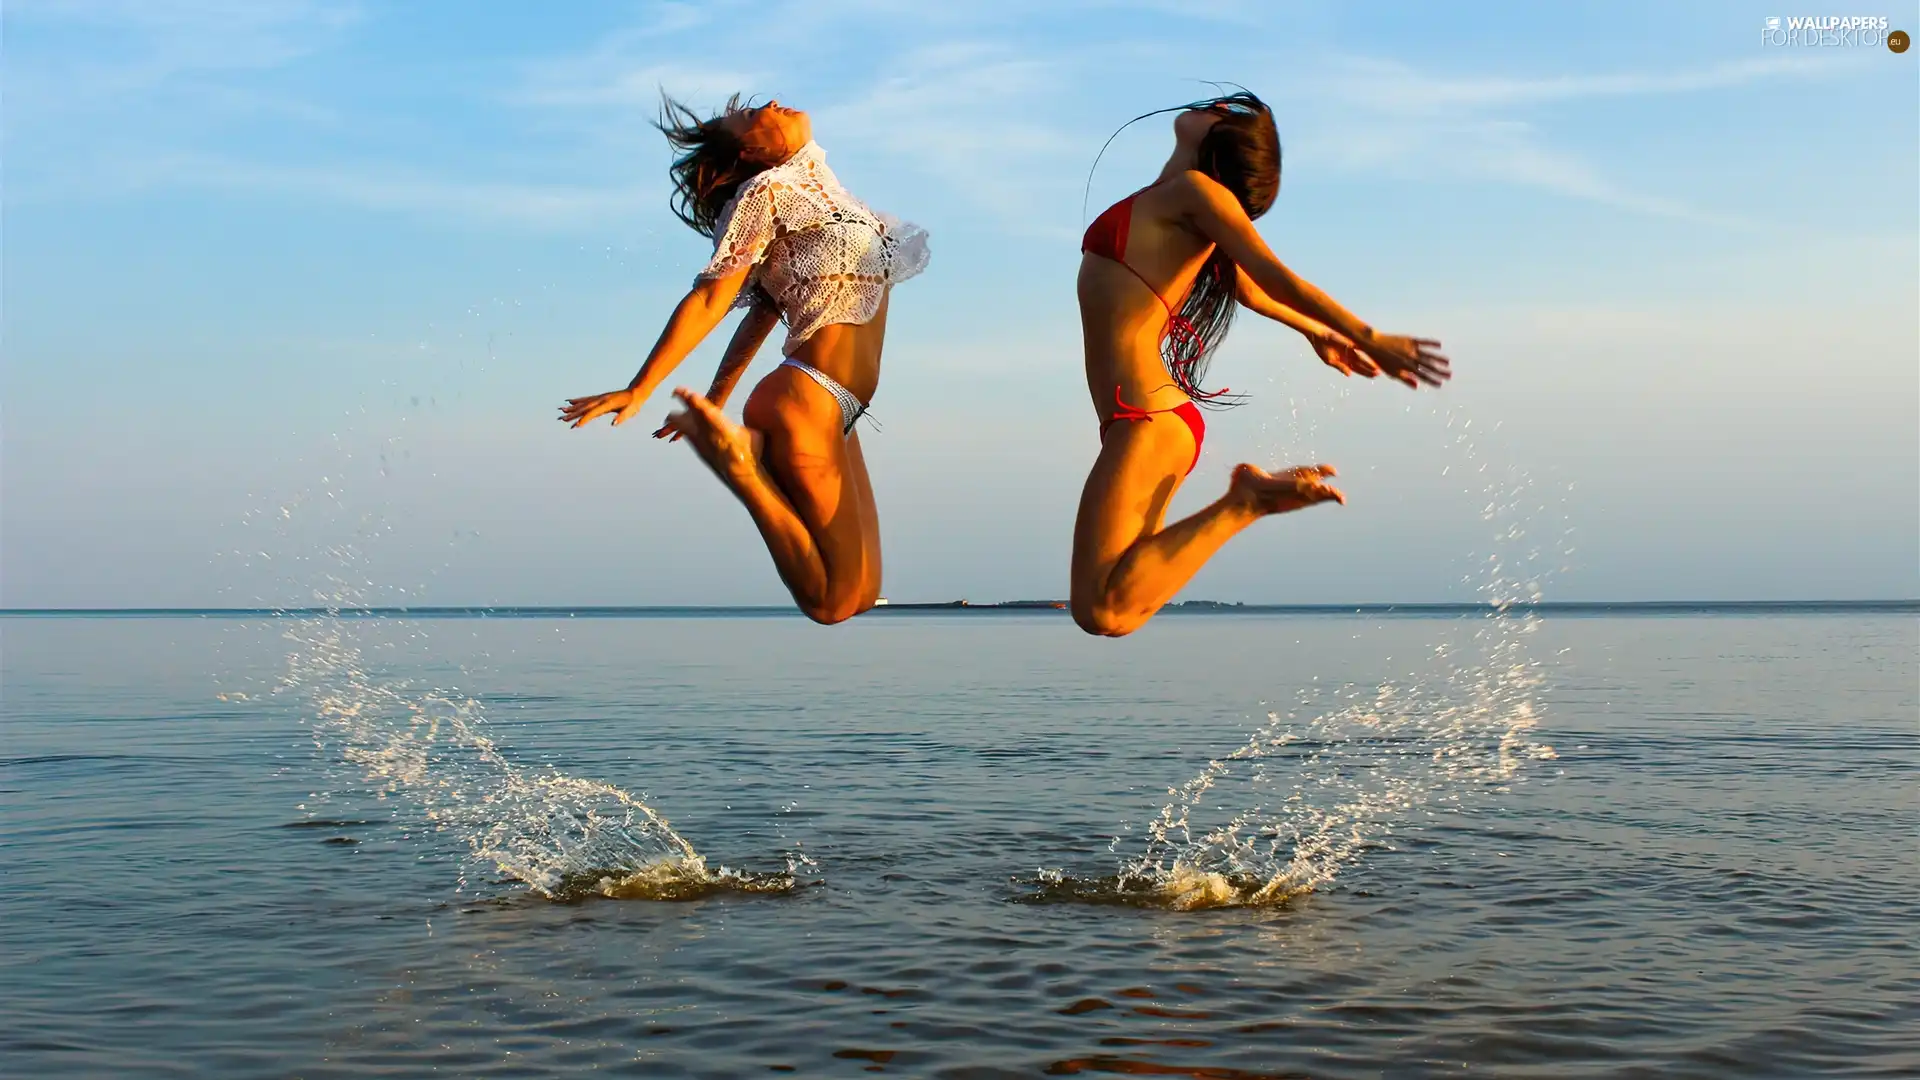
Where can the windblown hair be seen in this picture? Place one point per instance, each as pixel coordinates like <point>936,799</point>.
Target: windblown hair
<point>712,165</point>
<point>1242,152</point>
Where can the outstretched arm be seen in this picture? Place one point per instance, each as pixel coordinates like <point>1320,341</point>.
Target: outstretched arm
<point>693,319</point>
<point>1217,214</point>
<point>1334,348</point>
<point>752,333</point>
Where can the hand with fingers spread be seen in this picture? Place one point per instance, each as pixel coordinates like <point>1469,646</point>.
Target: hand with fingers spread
<point>1411,360</point>
<point>1338,352</point>
<point>621,403</point>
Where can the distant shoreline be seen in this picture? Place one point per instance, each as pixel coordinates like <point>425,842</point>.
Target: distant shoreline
<point>1023,607</point>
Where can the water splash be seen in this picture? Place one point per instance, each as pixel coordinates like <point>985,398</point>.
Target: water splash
<point>1324,782</point>
<point>429,748</point>
<point>566,838</point>
<point>1328,780</point>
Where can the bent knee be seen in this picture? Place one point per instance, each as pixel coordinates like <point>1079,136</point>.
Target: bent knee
<point>837,609</point>
<point>1104,620</point>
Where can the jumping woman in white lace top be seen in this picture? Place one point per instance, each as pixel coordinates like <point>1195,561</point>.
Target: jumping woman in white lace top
<point>789,244</point>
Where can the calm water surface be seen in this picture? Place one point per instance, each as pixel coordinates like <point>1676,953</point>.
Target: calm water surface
<point>1717,875</point>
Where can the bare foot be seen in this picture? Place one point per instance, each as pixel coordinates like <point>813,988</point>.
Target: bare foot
<point>725,446</point>
<point>1289,489</point>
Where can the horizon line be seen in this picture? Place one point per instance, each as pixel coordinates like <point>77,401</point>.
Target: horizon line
<point>1020,606</point>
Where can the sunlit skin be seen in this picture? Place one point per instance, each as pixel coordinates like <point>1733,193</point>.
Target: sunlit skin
<point>803,483</point>
<point>1126,565</point>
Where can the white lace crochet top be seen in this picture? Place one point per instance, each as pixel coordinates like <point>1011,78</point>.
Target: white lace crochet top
<point>824,256</point>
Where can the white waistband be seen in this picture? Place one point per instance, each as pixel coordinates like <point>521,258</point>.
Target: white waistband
<point>851,407</point>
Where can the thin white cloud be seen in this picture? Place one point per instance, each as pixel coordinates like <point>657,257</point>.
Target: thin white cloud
<point>630,66</point>
<point>971,112</point>
<point>542,206</point>
<point>1381,115</point>
<point>1237,12</point>
<point>962,115</point>
<point>133,46</point>
<point>83,76</point>
<point>980,109</point>
<point>151,73</point>
<point>181,19</point>
<point>962,112</point>
<point>1396,87</point>
<point>626,87</point>
<point>1500,151</point>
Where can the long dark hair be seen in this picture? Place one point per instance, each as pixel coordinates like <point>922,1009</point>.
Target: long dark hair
<point>713,163</point>
<point>1242,152</point>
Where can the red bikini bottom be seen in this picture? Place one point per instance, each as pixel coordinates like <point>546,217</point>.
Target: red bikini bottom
<point>1186,410</point>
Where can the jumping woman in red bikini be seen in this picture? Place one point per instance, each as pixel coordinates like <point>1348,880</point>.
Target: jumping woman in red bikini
<point>1162,271</point>
<point>792,245</point>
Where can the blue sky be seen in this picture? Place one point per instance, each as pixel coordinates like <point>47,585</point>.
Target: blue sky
<point>282,277</point>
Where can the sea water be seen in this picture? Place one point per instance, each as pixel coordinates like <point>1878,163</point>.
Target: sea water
<point>1676,844</point>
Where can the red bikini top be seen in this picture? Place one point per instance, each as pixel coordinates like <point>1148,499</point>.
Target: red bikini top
<point>1107,238</point>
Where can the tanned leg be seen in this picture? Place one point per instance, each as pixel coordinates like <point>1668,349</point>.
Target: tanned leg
<point>862,485</point>
<point>1125,565</point>
<point>799,492</point>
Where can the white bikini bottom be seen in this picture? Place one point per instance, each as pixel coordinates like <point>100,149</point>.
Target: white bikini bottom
<point>851,408</point>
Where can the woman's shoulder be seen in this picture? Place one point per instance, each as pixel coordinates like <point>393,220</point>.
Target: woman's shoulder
<point>791,173</point>
<point>1194,192</point>
<point>1195,182</point>
<point>754,193</point>
<point>806,161</point>
<point>753,185</point>
<point>1182,192</point>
